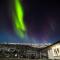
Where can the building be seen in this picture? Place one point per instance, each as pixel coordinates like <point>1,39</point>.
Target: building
<point>51,51</point>
<point>19,51</point>
<point>30,51</point>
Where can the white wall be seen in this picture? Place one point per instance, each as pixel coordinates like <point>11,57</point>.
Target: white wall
<point>54,52</point>
<point>50,54</point>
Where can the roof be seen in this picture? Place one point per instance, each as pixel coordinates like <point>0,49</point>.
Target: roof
<point>52,44</point>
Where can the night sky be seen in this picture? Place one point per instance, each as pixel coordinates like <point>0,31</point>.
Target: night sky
<point>45,20</point>
<point>42,19</point>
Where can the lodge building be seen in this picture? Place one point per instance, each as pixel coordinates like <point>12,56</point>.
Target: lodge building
<point>26,51</point>
<point>52,51</point>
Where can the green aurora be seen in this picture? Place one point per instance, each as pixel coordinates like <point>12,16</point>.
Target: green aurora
<point>18,16</point>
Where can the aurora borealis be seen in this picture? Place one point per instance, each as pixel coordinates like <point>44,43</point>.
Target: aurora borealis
<point>18,15</point>
<point>33,21</point>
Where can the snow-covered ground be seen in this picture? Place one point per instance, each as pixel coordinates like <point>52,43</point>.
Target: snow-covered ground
<point>40,45</point>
